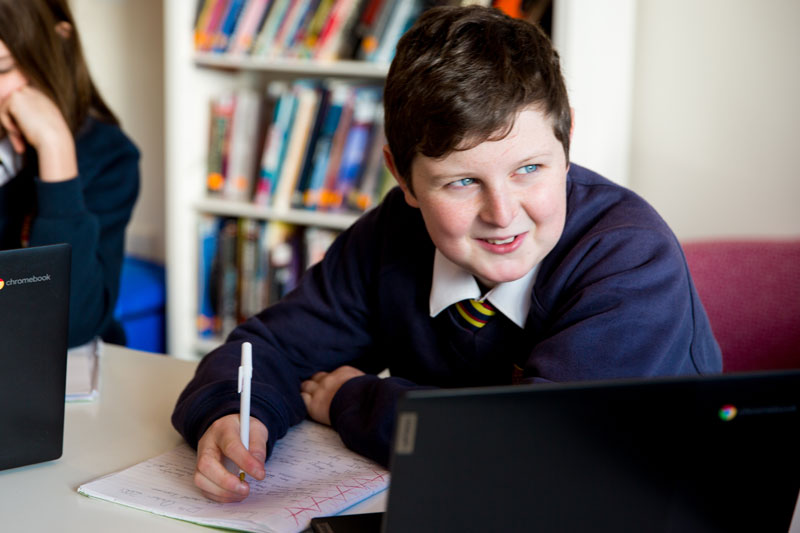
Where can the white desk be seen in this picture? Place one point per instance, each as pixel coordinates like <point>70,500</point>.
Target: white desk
<point>128,423</point>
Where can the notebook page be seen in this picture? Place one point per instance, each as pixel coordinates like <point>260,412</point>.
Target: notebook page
<point>310,474</point>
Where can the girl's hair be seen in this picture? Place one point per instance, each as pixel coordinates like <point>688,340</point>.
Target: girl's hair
<point>460,77</point>
<point>52,60</point>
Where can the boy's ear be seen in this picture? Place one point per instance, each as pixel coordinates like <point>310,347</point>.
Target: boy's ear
<point>63,29</point>
<point>571,122</point>
<point>409,195</point>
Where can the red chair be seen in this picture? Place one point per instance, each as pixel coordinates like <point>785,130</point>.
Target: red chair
<point>751,292</point>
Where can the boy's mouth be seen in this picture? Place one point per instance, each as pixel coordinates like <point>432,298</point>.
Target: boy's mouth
<point>500,241</point>
<point>503,244</point>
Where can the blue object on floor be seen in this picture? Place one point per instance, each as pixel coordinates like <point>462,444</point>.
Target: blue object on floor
<point>141,304</point>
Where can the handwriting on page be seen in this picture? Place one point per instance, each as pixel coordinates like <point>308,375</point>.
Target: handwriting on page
<point>310,474</point>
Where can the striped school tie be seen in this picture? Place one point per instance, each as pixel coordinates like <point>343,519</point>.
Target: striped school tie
<point>473,314</point>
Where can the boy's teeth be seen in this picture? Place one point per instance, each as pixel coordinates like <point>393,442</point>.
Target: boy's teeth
<point>504,241</point>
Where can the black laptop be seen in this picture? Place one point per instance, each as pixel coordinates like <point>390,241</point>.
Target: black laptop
<point>34,316</point>
<point>710,454</point>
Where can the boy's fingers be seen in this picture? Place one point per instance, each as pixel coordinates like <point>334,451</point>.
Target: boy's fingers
<point>217,493</point>
<point>258,449</point>
<point>214,480</point>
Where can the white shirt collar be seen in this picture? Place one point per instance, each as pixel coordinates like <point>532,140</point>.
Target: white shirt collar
<point>10,161</point>
<point>451,284</point>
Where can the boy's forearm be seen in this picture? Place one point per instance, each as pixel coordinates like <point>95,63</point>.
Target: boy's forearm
<point>363,413</point>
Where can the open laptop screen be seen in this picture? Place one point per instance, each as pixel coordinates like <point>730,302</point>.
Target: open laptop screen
<point>717,453</point>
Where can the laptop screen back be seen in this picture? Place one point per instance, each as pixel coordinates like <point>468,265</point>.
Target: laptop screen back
<point>685,454</point>
<point>34,315</point>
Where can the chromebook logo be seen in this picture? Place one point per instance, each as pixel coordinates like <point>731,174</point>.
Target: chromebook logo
<point>727,413</point>
<point>2,284</point>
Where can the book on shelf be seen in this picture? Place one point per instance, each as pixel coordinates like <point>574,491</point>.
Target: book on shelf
<point>311,147</point>
<point>245,265</point>
<point>221,116</point>
<point>327,193</point>
<point>227,275</point>
<point>252,18</point>
<point>332,38</point>
<point>208,233</point>
<point>303,145</point>
<point>246,138</point>
<point>325,30</point>
<point>312,189</point>
<point>371,187</point>
<point>308,97</point>
<point>276,141</point>
<point>209,23</point>
<point>304,48</point>
<point>270,27</point>
<point>403,16</point>
<point>356,145</point>
<point>228,22</point>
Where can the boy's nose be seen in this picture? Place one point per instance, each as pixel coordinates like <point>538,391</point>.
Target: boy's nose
<point>499,207</point>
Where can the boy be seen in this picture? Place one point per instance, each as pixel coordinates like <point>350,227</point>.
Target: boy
<point>576,277</point>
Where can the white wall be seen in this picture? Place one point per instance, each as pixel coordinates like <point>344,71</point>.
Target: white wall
<point>123,44</point>
<point>716,115</point>
<point>595,40</point>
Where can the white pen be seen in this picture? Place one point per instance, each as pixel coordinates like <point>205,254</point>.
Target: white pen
<point>245,375</point>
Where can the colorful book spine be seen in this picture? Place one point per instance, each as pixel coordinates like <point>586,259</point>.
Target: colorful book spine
<point>253,17</point>
<point>328,196</point>
<point>221,116</point>
<point>307,96</point>
<point>401,19</point>
<point>243,158</point>
<point>313,142</point>
<point>356,145</point>
<point>368,192</point>
<point>214,20</point>
<point>270,28</point>
<point>227,25</point>
<point>339,94</point>
<point>275,144</point>
<point>208,230</point>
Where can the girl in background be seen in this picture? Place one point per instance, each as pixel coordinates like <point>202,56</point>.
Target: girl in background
<point>67,171</point>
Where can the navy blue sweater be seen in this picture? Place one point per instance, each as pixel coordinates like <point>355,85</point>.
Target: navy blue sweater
<point>614,298</point>
<point>89,212</point>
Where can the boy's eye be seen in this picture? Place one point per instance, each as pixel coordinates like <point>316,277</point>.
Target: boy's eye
<point>463,182</point>
<point>527,169</point>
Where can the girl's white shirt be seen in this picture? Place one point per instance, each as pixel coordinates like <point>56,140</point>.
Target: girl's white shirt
<point>10,161</point>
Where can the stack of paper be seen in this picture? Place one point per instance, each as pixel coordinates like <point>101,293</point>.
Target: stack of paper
<point>82,372</point>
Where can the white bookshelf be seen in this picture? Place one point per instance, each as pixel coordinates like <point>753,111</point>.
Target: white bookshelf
<point>191,79</point>
<point>294,67</point>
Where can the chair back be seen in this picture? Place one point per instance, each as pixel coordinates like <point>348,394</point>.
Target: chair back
<point>751,292</point>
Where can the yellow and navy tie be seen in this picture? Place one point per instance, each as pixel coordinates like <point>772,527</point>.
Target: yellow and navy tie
<point>473,314</point>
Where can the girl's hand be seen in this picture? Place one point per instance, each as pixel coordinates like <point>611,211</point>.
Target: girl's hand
<point>28,116</point>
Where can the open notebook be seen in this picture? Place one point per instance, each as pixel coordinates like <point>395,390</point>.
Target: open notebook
<point>310,473</point>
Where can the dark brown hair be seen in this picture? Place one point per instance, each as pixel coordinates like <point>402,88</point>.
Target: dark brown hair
<point>52,62</point>
<point>460,77</point>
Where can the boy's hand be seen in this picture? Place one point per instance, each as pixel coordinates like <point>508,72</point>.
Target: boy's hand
<point>222,440</point>
<point>318,392</point>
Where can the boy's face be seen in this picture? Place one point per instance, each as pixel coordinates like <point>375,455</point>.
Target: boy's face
<point>496,209</point>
